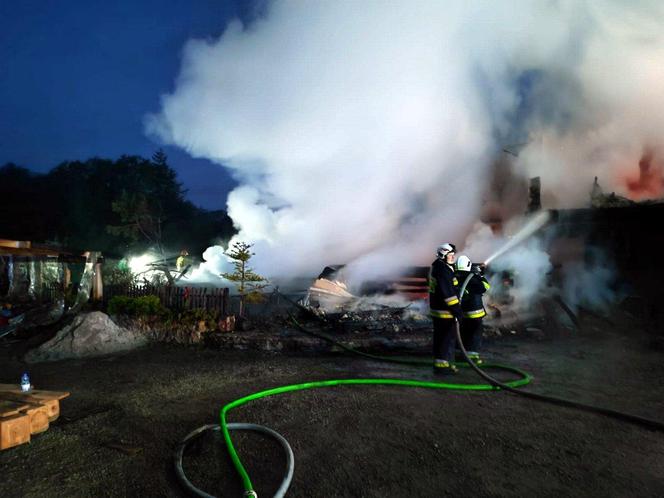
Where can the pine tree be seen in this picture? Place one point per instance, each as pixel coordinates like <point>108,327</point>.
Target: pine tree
<point>249,282</point>
<point>160,158</point>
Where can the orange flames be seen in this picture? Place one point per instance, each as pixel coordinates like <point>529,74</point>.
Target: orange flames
<point>650,182</point>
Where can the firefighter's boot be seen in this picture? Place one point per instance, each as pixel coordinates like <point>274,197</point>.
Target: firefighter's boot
<point>444,367</point>
<point>473,356</point>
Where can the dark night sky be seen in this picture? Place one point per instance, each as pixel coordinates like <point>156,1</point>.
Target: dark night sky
<point>78,76</point>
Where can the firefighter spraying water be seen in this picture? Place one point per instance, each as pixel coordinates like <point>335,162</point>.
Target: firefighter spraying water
<point>445,278</point>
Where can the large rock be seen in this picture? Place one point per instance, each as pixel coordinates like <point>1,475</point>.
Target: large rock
<point>89,334</point>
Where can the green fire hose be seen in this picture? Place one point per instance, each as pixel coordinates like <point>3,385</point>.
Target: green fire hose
<point>246,481</point>
<point>225,428</point>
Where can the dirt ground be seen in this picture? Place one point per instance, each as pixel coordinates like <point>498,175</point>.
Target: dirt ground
<point>355,441</point>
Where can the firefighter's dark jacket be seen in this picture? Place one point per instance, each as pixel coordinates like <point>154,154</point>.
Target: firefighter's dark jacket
<point>471,303</point>
<point>443,299</point>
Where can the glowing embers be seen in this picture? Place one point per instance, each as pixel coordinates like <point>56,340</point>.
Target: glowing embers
<point>650,182</point>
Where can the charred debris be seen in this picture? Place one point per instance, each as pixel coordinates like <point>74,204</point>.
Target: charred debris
<point>386,306</point>
<point>399,306</point>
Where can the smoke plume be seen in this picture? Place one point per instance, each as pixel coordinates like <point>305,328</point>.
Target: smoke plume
<point>363,132</point>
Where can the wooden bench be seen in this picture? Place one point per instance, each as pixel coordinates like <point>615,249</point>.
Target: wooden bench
<point>25,413</point>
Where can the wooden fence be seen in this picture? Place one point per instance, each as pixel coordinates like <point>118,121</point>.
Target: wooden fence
<point>181,298</point>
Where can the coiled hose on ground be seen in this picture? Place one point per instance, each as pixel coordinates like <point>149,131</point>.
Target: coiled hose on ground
<point>493,384</point>
<point>179,452</point>
<point>523,378</point>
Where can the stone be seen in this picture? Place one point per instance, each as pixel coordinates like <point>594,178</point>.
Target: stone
<point>88,335</point>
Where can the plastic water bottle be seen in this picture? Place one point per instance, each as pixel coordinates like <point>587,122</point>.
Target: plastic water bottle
<point>25,382</point>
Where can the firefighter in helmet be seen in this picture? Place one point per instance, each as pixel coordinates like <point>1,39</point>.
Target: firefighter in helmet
<point>444,308</point>
<point>180,263</point>
<point>472,306</point>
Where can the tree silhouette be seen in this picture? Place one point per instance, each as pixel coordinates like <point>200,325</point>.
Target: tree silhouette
<point>122,206</point>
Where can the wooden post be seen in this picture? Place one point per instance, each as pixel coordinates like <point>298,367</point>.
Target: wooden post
<point>224,302</point>
<point>97,284</point>
<point>37,279</point>
<point>534,196</point>
<point>66,276</point>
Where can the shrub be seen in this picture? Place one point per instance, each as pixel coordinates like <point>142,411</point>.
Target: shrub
<point>119,305</point>
<point>147,306</point>
<point>189,318</point>
<point>114,275</point>
<point>135,306</point>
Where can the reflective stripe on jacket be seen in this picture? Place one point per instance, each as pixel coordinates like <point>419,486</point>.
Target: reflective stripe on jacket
<point>471,304</point>
<point>474,313</point>
<point>443,298</point>
<point>441,314</point>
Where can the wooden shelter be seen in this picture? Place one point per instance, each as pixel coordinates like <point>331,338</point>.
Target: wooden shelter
<point>16,255</point>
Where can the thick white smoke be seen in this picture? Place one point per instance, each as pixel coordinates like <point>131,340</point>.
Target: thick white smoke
<point>215,262</point>
<point>363,131</point>
<point>590,284</point>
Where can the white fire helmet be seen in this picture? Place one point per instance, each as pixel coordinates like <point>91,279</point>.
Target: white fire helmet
<point>463,263</point>
<point>444,249</point>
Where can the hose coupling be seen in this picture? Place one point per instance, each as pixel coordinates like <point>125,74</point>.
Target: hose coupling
<point>250,494</point>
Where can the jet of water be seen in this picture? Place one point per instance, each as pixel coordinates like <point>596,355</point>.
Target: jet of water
<point>533,225</point>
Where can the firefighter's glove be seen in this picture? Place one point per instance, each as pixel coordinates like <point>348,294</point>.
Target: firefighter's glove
<point>477,269</point>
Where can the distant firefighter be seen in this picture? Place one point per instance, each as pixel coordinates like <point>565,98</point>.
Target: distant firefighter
<point>181,262</point>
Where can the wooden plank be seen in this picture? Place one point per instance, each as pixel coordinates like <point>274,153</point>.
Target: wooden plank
<point>14,430</point>
<point>39,418</point>
<point>49,401</point>
<point>20,399</point>
<point>402,287</point>
<point>11,407</point>
<point>38,394</point>
<point>50,407</point>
